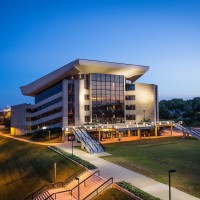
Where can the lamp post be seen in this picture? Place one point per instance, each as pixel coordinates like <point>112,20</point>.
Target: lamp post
<point>170,171</point>
<point>55,172</point>
<point>78,187</point>
<point>96,117</point>
<point>45,128</point>
<point>72,139</point>
<point>144,114</point>
<point>102,116</point>
<point>49,135</point>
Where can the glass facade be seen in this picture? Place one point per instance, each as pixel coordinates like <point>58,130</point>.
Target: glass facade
<point>48,92</point>
<point>107,98</point>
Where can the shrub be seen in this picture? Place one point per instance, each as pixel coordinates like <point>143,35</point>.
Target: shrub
<point>136,191</point>
<point>75,158</point>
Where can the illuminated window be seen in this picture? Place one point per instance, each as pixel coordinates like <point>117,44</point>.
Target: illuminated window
<point>87,107</point>
<point>130,107</point>
<point>130,117</point>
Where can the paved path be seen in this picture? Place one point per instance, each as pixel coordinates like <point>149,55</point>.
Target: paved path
<point>26,140</point>
<point>119,173</point>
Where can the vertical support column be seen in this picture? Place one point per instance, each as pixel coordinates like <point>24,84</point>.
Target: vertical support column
<point>120,136</point>
<point>156,131</point>
<point>139,134</point>
<point>99,133</point>
<point>171,130</point>
<point>129,133</point>
<point>111,134</point>
<point>65,107</point>
<point>76,102</point>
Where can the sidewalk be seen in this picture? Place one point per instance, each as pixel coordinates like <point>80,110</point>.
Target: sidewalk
<point>119,173</point>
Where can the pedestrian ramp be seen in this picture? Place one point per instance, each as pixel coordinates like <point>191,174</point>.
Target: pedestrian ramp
<point>91,145</point>
<point>191,131</point>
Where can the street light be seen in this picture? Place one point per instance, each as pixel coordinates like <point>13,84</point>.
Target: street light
<point>95,117</point>
<point>72,139</point>
<point>78,187</point>
<point>45,128</point>
<point>144,114</point>
<point>102,116</point>
<point>170,171</point>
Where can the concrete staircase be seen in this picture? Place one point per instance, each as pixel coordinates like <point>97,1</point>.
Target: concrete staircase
<point>43,196</point>
<point>193,132</point>
<point>88,182</point>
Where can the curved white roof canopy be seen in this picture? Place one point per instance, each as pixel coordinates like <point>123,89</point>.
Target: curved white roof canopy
<point>132,72</point>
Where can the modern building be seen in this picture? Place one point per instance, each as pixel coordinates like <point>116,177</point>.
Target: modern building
<point>87,91</point>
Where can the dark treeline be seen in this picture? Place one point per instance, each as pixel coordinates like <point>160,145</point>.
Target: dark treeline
<point>187,111</point>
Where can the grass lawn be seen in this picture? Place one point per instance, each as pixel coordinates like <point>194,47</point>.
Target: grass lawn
<point>26,167</point>
<point>112,194</point>
<point>154,158</point>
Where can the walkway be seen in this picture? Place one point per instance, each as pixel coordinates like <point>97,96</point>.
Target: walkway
<point>122,174</point>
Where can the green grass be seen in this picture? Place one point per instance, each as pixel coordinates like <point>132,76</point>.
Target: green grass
<point>113,194</point>
<point>154,158</point>
<point>26,167</point>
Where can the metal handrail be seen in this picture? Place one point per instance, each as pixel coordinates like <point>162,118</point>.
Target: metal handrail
<point>188,130</point>
<point>82,139</point>
<point>88,137</point>
<point>100,187</point>
<point>58,193</point>
<point>73,175</point>
<point>101,145</point>
<point>45,186</point>
<point>86,179</point>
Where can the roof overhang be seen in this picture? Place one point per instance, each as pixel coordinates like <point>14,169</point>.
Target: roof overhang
<point>132,72</point>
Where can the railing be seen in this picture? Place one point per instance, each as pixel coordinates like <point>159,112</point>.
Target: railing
<point>69,179</point>
<point>52,185</point>
<point>190,131</point>
<point>83,181</point>
<point>89,138</point>
<point>102,187</point>
<point>54,195</point>
<point>76,133</point>
<point>42,189</point>
<point>101,145</point>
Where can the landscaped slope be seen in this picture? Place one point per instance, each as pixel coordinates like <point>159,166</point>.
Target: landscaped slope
<point>154,158</point>
<point>26,167</point>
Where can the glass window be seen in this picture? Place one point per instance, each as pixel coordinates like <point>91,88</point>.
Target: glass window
<point>87,107</point>
<point>108,77</point>
<point>48,92</point>
<point>130,97</point>
<point>94,77</point>
<point>103,77</point>
<point>87,97</point>
<point>130,117</point>
<point>112,78</point>
<point>121,78</point>
<point>130,107</point>
<point>117,78</point>
<point>130,87</point>
<point>87,118</point>
<point>98,77</point>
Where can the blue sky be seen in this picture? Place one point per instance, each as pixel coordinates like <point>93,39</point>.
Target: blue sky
<point>38,36</point>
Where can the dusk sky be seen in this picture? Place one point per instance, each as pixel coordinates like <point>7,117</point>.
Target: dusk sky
<point>39,36</point>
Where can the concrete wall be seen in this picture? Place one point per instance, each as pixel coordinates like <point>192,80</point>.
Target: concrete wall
<point>18,119</point>
<point>145,101</point>
<point>65,103</point>
<point>80,102</point>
